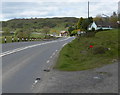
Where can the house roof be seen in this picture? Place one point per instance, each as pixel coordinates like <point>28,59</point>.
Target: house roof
<point>102,24</point>
<point>63,31</point>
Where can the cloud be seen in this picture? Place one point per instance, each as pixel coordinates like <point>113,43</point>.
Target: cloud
<point>12,10</point>
<point>59,1</point>
<point>33,13</point>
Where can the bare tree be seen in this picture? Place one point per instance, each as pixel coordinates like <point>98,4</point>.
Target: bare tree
<point>45,31</point>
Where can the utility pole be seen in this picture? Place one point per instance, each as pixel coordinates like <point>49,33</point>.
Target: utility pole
<point>88,9</point>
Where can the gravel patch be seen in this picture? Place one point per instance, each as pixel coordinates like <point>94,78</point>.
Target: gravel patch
<point>99,80</point>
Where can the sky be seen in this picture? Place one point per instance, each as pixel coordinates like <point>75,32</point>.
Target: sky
<point>11,9</point>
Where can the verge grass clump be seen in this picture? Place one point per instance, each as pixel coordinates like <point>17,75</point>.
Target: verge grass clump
<point>77,55</point>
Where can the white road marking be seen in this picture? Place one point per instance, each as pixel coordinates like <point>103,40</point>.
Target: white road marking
<point>23,48</point>
<point>48,61</point>
<point>51,56</point>
<point>35,82</point>
<point>64,44</point>
<point>96,77</point>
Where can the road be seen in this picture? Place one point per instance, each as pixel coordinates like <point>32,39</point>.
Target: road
<point>23,62</point>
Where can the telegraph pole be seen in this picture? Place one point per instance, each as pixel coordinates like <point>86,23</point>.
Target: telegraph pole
<point>88,9</point>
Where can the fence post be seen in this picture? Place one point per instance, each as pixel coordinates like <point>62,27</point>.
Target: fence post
<point>12,39</point>
<point>5,39</point>
<point>22,39</point>
<point>18,39</point>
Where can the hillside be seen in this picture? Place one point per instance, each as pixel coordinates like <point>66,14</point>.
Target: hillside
<point>39,23</point>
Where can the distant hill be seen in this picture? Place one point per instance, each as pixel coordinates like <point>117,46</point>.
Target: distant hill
<point>39,23</point>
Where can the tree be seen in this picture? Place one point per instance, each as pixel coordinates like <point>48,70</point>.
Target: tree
<point>19,33</point>
<point>6,31</point>
<point>79,23</point>
<point>90,19</point>
<point>74,32</point>
<point>23,33</point>
<point>85,23</point>
<point>45,31</point>
<point>113,20</point>
<point>54,32</point>
<point>114,14</point>
<point>66,25</point>
<point>93,29</point>
<point>70,29</point>
<point>98,18</point>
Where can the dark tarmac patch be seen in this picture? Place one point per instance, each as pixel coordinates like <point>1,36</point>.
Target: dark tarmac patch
<point>46,70</point>
<point>104,74</point>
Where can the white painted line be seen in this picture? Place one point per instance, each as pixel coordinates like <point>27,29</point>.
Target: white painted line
<point>64,44</point>
<point>48,61</point>
<point>35,81</point>
<point>51,56</point>
<point>23,48</point>
<point>96,77</point>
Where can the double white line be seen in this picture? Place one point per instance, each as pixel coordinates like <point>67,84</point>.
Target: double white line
<point>23,48</point>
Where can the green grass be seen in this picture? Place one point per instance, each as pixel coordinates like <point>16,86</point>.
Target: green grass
<point>60,27</point>
<point>71,58</point>
<point>37,35</point>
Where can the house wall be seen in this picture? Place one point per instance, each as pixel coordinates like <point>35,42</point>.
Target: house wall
<point>93,26</point>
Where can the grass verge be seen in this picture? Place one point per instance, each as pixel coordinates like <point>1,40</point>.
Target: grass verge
<point>77,55</point>
<point>34,36</point>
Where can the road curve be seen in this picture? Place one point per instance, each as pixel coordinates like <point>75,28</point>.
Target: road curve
<point>23,62</point>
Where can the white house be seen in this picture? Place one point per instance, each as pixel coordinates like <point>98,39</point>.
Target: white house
<point>99,25</point>
<point>63,33</point>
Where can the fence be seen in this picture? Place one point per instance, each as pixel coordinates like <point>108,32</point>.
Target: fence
<point>12,39</point>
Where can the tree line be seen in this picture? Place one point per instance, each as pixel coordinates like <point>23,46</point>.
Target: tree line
<point>83,23</point>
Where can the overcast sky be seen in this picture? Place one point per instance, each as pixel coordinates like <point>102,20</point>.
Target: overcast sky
<point>52,8</point>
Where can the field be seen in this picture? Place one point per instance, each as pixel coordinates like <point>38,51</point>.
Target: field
<point>78,55</point>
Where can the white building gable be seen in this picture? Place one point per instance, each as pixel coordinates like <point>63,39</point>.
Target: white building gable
<point>96,27</point>
<point>93,25</point>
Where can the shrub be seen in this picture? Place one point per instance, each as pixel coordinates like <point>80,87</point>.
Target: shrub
<point>90,34</point>
<point>99,50</point>
<point>93,29</point>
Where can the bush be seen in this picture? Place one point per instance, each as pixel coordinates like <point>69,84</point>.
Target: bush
<point>90,34</point>
<point>74,32</point>
<point>99,50</point>
<point>93,29</point>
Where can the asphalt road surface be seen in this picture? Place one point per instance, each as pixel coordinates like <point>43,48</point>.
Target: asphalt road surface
<point>23,62</point>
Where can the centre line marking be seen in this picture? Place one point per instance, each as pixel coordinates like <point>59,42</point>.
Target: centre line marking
<point>23,48</point>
